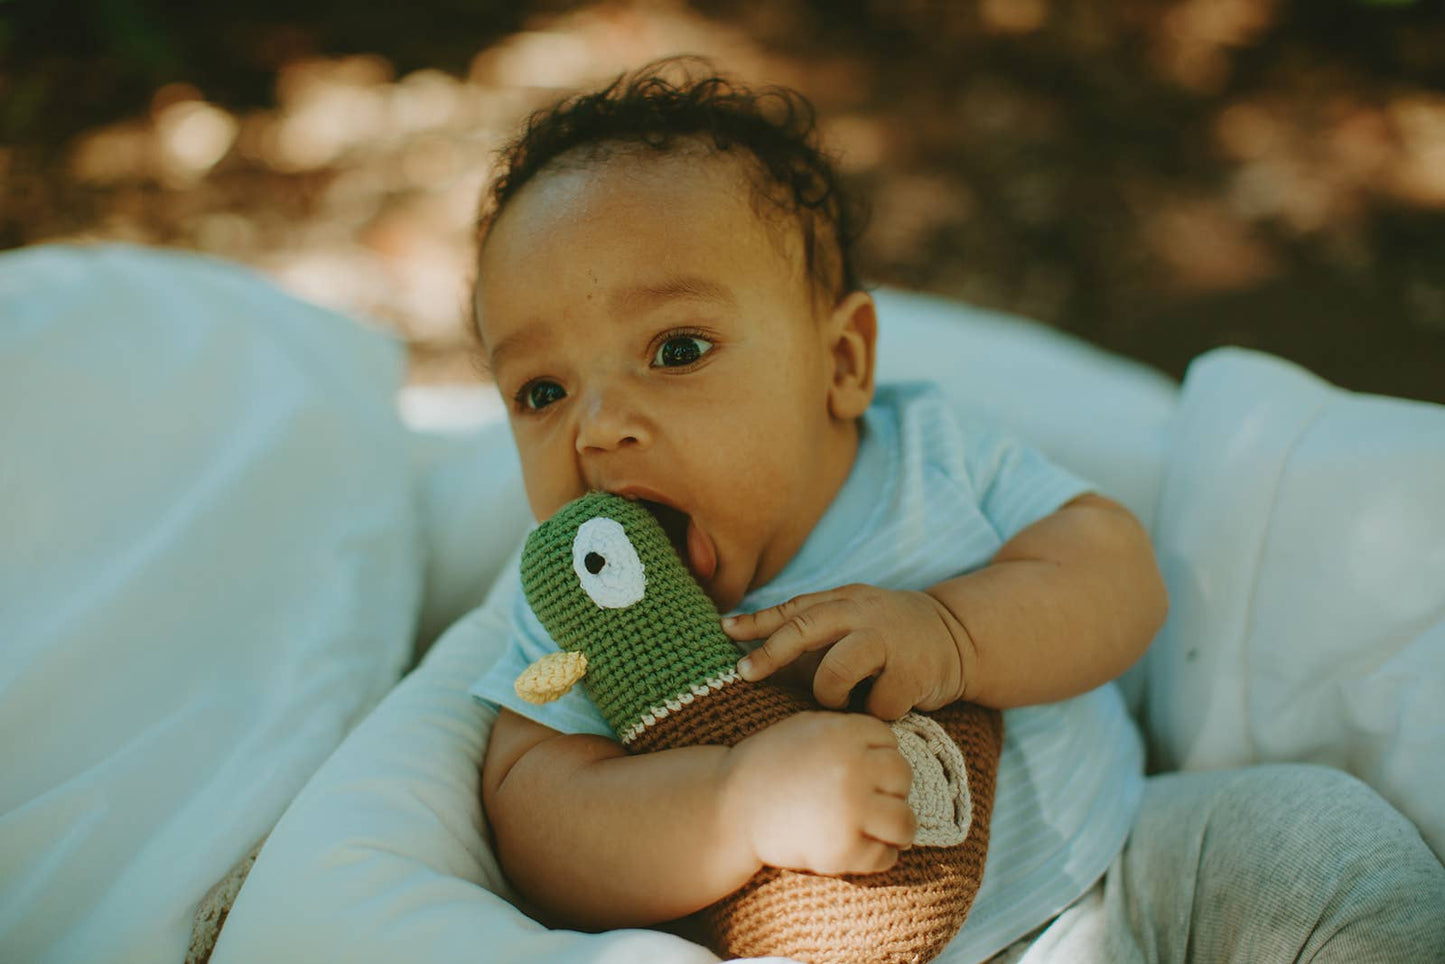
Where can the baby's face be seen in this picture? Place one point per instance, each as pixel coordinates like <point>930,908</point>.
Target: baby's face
<point>654,338</point>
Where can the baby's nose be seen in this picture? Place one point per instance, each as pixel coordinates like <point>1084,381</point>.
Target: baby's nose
<point>610,420</point>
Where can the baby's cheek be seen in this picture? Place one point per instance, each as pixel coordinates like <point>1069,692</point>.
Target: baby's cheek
<point>549,490</point>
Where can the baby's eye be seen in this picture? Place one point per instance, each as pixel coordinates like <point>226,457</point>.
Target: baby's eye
<point>680,350</point>
<point>539,394</point>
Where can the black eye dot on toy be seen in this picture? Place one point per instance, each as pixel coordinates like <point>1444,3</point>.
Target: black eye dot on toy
<point>594,562</point>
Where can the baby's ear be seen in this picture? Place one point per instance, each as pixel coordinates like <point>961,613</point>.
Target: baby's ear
<point>852,331</point>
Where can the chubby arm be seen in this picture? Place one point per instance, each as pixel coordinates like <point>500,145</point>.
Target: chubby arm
<point>1065,605</point>
<point>567,814</point>
<point>597,838</point>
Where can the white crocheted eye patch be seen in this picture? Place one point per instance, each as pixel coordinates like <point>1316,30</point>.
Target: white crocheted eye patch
<point>607,564</point>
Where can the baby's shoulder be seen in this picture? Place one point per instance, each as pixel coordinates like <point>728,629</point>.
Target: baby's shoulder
<point>932,435</point>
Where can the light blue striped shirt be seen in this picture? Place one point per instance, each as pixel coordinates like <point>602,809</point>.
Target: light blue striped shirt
<point>929,498</point>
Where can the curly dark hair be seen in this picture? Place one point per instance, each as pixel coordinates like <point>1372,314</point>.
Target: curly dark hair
<point>645,109</point>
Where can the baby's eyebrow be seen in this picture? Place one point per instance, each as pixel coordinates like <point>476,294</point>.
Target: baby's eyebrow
<point>630,300</point>
<point>689,287</point>
<point>521,340</point>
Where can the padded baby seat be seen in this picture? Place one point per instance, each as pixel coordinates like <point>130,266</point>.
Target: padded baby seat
<point>221,545</point>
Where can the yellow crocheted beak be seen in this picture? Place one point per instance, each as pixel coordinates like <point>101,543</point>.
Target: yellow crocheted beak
<point>550,677</point>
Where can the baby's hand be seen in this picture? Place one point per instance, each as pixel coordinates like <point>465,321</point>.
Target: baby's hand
<point>822,792</point>
<point>908,640</point>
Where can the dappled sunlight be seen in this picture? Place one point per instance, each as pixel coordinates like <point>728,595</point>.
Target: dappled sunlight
<point>192,136</point>
<point>1194,39</point>
<point>358,189</point>
<point>1110,170</point>
<point>1418,174</point>
<point>1206,246</point>
<point>1013,16</point>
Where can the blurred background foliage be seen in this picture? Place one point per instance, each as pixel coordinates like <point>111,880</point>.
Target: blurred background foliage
<point>1157,176</point>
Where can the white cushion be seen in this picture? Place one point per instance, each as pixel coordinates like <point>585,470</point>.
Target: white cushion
<point>1302,532</point>
<point>209,569</point>
<point>473,509</point>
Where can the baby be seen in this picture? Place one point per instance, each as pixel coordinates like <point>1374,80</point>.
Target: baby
<point>667,299</point>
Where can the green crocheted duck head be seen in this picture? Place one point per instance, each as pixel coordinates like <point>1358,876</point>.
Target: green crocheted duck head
<point>607,585</point>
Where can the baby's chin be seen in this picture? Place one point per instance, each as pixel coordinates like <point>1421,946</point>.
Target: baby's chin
<point>725,594</point>
<point>725,601</point>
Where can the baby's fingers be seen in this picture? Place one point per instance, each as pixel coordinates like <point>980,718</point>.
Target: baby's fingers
<point>891,823</point>
<point>855,658</point>
<point>765,622</point>
<point>893,694</point>
<point>866,856</point>
<point>797,626</point>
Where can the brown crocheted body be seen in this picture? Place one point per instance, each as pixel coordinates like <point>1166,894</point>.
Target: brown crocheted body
<point>906,914</point>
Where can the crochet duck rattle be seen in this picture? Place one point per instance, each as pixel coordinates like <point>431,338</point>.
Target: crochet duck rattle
<point>632,623</point>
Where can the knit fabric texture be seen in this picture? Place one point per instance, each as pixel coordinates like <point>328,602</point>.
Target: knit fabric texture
<point>663,673</point>
<point>904,915</point>
<point>660,648</point>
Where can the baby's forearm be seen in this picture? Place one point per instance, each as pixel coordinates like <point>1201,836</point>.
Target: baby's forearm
<point>600,839</point>
<point>1066,605</point>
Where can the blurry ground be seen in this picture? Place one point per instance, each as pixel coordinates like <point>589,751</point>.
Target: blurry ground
<point>1158,177</point>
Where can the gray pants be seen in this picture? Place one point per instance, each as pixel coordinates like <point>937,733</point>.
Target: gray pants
<point>1265,864</point>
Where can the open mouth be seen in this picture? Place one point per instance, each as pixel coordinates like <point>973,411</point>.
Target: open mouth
<point>674,524</point>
